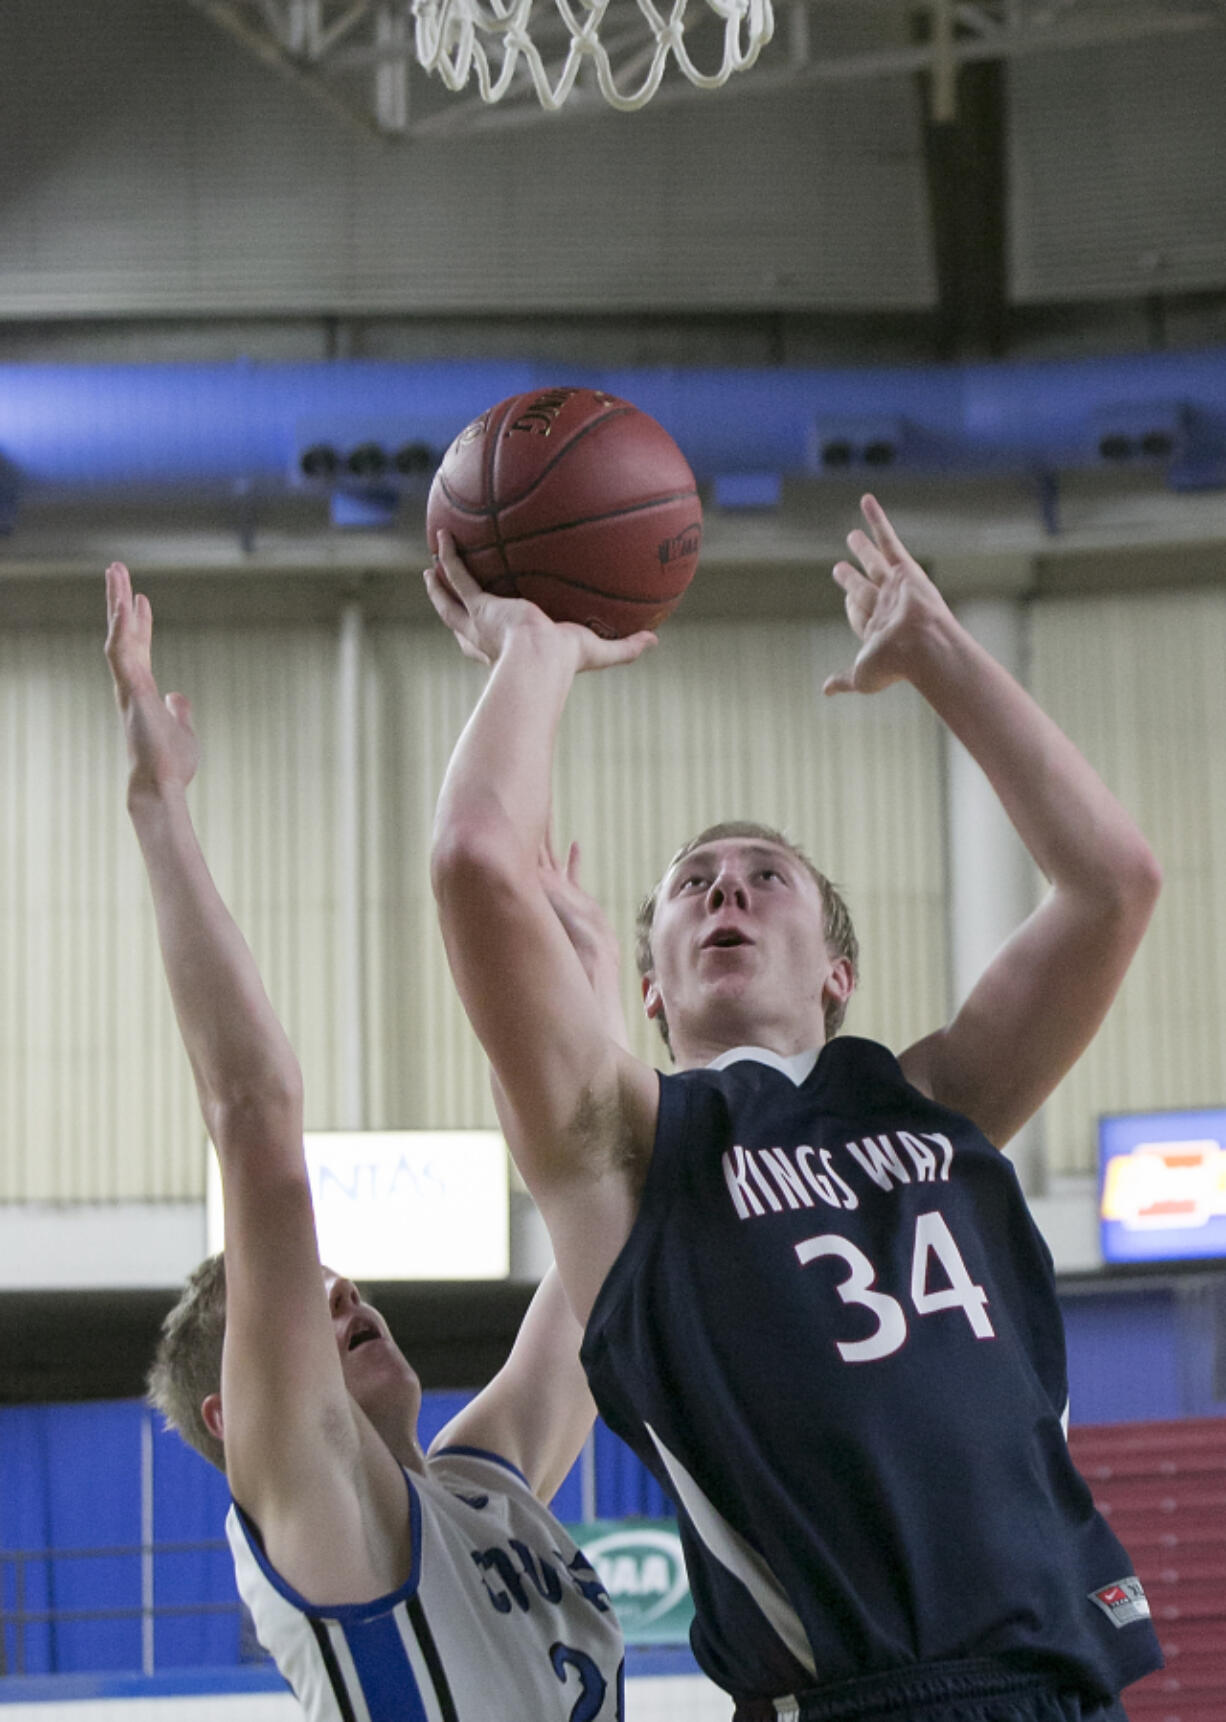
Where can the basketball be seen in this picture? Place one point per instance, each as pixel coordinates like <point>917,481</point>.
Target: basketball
<point>575,500</point>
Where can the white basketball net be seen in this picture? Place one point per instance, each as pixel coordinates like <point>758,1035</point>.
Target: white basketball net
<point>456,37</point>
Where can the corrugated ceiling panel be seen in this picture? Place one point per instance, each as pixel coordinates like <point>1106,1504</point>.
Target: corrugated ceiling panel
<point>1116,184</point>
<point>95,1095</point>
<point>1138,685</point>
<point>147,164</point>
<point>96,1098</point>
<point>92,1075</point>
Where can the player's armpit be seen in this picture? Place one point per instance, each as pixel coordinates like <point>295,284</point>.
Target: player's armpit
<point>343,1535</point>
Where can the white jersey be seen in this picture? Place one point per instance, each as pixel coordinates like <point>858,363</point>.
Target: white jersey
<point>502,1618</point>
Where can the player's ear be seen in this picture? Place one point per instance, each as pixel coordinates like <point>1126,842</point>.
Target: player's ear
<point>653,1004</point>
<point>210,1412</point>
<point>841,981</point>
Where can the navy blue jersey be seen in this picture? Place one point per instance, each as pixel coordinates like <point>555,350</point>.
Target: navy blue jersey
<point>833,1336</point>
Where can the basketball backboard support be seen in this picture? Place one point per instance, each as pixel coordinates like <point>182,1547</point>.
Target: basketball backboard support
<point>520,59</point>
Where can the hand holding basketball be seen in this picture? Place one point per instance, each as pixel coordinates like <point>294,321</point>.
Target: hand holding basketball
<point>162,746</point>
<point>483,622</point>
<point>889,599</point>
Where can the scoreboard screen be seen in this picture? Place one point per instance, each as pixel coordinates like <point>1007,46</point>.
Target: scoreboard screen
<point>1162,1186</point>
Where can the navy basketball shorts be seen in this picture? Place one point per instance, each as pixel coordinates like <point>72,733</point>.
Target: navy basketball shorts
<point>978,1691</point>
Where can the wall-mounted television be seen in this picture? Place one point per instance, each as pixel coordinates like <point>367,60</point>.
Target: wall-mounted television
<point>1162,1186</point>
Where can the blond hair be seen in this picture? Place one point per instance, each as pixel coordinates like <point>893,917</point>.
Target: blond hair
<point>186,1367</point>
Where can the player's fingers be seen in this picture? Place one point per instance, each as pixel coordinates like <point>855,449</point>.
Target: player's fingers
<point>118,587</point>
<point>446,603</point>
<point>624,651</point>
<point>462,582</point>
<point>855,583</point>
<point>873,561</point>
<point>878,520</point>
<point>572,863</point>
<point>142,614</point>
<point>118,602</point>
<point>840,684</point>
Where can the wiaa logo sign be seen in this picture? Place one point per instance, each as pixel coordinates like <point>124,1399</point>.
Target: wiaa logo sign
<point>641,1567</point>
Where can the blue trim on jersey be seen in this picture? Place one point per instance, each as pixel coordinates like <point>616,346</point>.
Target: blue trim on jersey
<point>483,1453</point>
<point>389,1686</point>
<point>344,1611</point>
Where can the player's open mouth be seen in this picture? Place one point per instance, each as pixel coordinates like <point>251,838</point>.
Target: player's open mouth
<point>724,938</point>
<point>360,1335</point>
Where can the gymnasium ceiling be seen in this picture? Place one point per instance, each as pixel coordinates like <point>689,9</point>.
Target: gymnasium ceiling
<point>893,182</point>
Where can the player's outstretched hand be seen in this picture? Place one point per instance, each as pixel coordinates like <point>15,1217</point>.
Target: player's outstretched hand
<point>889,600</point>
<point>162,748</point>
<point>589,931</point>
<point>587,926</point>
<point>482,622</point>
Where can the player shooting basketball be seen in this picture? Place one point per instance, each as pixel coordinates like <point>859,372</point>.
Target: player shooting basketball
<point>815,1302</point>
<point>385,1582</point>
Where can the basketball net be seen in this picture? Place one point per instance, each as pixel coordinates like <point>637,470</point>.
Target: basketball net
<point>457,37</point>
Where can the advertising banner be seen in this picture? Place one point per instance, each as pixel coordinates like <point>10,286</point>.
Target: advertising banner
<point>640,1565</point>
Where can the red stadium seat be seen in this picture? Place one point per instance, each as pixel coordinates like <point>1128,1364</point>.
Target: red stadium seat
<point>1162,1487</point>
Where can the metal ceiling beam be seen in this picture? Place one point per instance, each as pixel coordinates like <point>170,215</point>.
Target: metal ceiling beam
<point>266,45</point>
<point>322,45</point>
<point>965,157</point>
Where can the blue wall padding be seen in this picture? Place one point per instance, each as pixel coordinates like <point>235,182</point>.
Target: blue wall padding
<point>25,1523</point>
<point>71,1479</point>
<point>1202,1332</point>
<point>625,1488</point>
<point>436,1410</point>
<point>1123,1370</point>
<point>190,1499</point>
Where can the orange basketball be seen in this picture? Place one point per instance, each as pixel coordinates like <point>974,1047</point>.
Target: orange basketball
<point>576,500</point>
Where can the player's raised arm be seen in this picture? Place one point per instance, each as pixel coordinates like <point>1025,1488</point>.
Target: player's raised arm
<point>580,1102</point>
<point>537,1410</point>
<point>1043,996</point>
<point>294,1450</point>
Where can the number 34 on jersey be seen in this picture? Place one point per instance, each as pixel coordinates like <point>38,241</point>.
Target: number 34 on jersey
<point>934,1244</point>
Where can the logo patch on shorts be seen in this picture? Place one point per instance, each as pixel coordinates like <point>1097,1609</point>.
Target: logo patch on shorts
<point>1122,1602</point>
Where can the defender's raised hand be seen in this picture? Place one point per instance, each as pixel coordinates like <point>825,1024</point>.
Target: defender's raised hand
<point>162,747</point>
<point>889,601</point>
<point>482,622</point>
<point>588,929</point>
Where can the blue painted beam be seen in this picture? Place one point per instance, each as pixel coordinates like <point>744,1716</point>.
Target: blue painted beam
<point>362,427</point>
